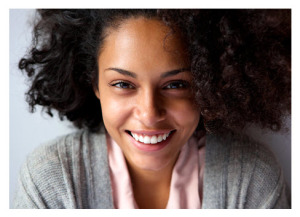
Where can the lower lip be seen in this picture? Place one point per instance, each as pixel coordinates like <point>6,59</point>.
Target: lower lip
<point>150,147</point>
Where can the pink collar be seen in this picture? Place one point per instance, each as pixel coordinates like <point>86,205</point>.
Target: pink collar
<point>186,182</point>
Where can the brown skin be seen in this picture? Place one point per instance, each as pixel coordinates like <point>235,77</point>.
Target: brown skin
<point>146,102</point>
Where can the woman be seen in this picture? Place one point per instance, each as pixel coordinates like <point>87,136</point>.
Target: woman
<point>158,96</point>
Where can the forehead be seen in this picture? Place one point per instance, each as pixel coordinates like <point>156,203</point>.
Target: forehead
<point>143,41</point>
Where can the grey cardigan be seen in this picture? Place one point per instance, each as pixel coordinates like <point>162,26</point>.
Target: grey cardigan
<point>73,172</point>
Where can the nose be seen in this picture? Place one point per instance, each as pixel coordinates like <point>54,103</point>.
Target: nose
<point>150,108</point>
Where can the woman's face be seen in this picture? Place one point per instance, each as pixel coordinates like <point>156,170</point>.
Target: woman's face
<point>145,94</point>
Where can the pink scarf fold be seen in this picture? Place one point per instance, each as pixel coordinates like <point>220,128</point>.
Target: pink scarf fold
<point>186,182</point>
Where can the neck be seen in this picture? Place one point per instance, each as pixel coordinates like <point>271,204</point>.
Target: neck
<point>151,188</point>
<point>150,177</point>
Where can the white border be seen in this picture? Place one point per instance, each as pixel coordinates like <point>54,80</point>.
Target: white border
<point>5,6</point>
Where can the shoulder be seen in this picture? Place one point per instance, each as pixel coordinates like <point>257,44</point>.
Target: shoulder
<point>241,149</point>
<point>49,176</point>
<point>67,148</point>
<point>60,152</point>
<point>247,171</point>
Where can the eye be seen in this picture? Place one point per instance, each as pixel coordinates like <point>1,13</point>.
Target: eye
<point>123,85</point>
<point>177,85</point>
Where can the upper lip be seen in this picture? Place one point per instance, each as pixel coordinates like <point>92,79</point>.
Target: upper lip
<point>150,132</point>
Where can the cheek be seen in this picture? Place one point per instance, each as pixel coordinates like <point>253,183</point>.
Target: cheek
<point>185,114</point>
<point>114,110</point>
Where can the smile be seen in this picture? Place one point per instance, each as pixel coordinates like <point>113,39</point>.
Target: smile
<point>150,139</point>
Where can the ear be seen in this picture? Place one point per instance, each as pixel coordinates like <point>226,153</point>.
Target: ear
<point>97,93</point>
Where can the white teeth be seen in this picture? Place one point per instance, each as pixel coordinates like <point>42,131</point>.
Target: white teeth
<point>164,137</point>
<point>141,138</point>
<point>150,139</point>
<point>146,139</point>
<point>153,140</point>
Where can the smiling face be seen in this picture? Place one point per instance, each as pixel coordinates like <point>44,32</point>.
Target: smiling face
<point>145,94</point>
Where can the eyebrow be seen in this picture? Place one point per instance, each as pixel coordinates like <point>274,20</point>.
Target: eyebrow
<point>133,75</point>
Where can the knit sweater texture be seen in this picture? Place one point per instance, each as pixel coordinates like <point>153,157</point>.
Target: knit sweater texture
<point>73,172</point>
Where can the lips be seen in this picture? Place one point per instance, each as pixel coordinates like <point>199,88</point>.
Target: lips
<point>150,141</point>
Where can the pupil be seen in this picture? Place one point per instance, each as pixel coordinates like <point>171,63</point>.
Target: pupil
<point>176,85</point>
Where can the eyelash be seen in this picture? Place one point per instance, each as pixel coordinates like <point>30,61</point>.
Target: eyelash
<point>120,84</point>
<point>181,84</point>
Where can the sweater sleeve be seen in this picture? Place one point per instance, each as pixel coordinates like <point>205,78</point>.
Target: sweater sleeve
<point>255,178</point>
<point>44,180</point>
<point>267,188</point>
<point>242,174</point>
<point>27,195</point>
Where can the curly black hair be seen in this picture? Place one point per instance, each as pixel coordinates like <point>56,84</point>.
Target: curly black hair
<point>240,61</point>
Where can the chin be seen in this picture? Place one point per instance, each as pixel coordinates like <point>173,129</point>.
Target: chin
<point>151,164</point>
